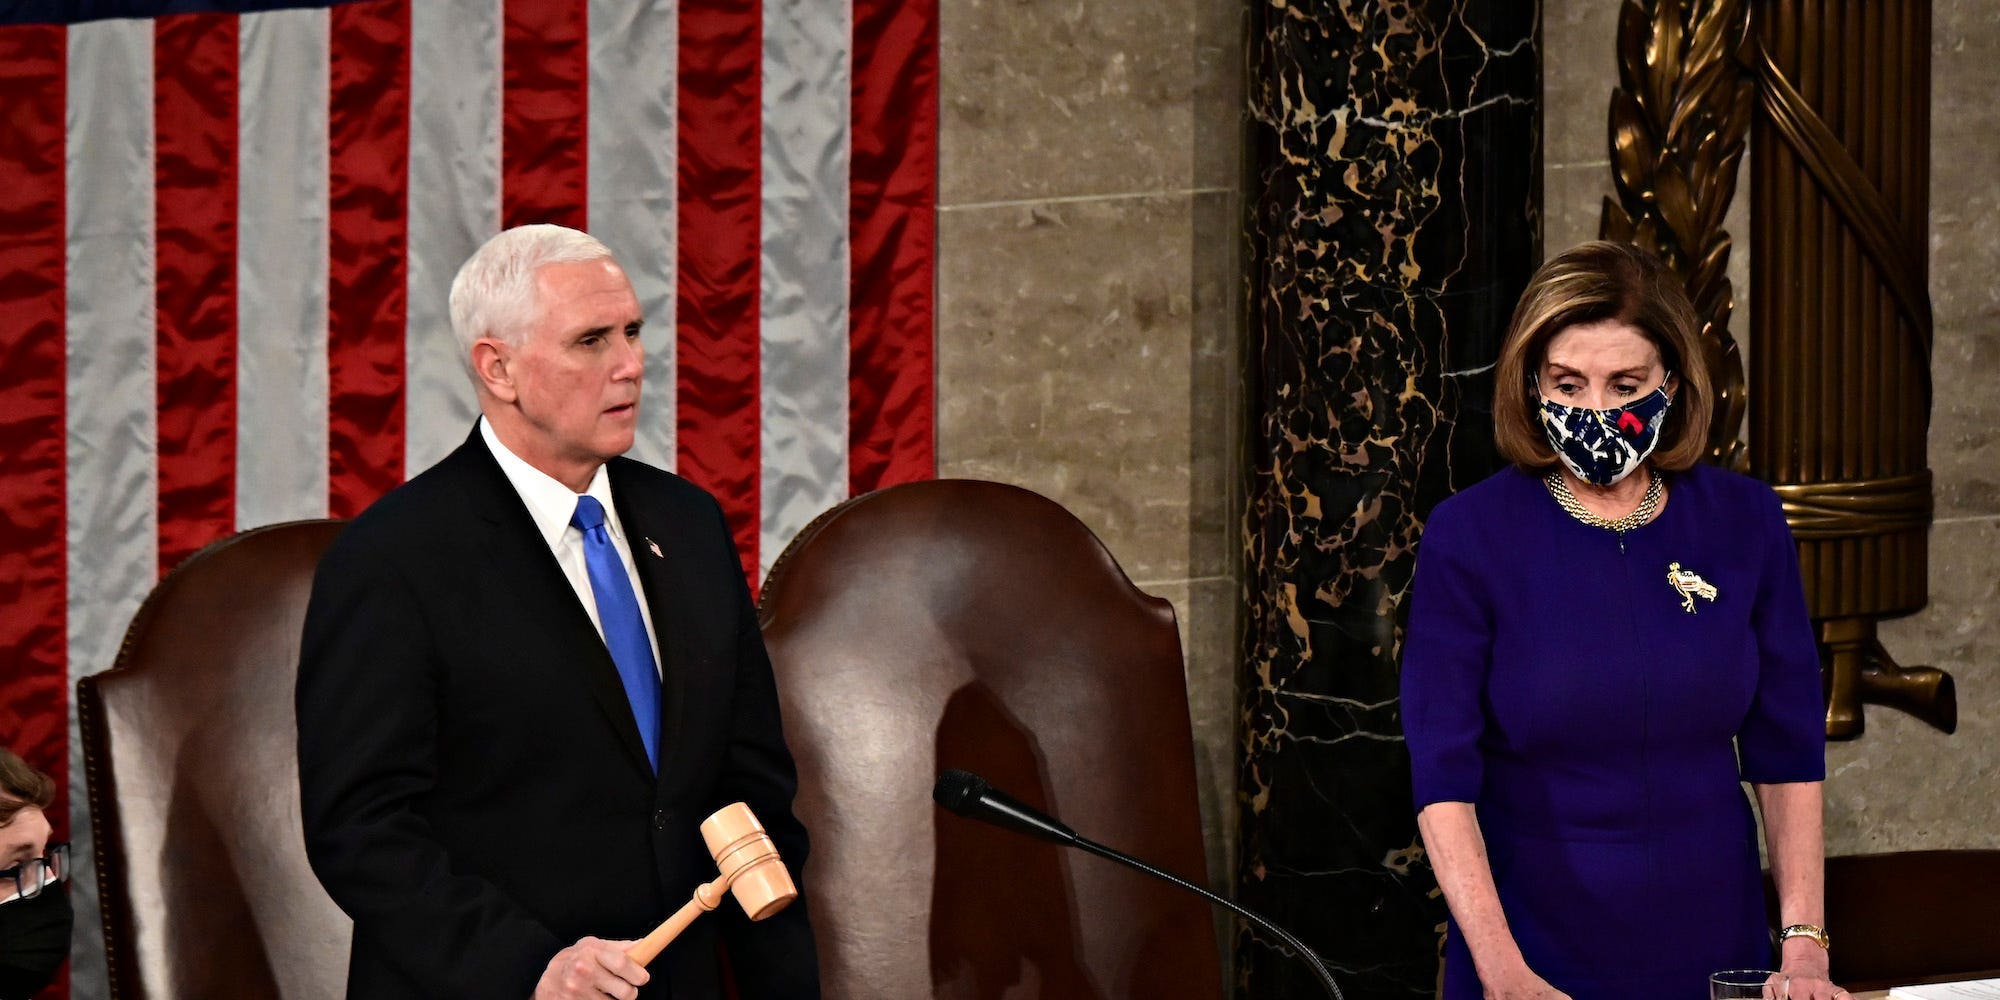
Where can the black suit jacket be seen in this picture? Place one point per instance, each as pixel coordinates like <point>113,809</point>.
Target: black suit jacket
<point>475,793</point>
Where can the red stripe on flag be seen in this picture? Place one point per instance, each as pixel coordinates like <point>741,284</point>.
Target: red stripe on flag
<point>194,118</point>
<point>544,112</point>
<point>717,358</point>
<point>892,411</point>
<point>34,630</point>
<point>368,172</point>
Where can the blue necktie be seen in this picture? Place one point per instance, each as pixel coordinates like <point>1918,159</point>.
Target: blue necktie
<point>624,629</point>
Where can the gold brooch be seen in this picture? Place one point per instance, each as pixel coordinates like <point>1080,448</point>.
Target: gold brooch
<point>1689,585</point>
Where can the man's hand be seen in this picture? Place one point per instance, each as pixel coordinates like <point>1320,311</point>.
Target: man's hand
<point>592,969</point>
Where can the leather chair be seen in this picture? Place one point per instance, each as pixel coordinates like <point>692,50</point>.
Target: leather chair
<point>189,748</point>
<point>1917,916</point>
<point>960,624</point>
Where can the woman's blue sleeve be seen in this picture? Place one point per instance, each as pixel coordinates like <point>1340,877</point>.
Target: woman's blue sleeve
<point>1783,738</point>
<point>1446,653</point>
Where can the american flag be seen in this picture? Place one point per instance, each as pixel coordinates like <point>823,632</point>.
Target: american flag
<point>227,231</point>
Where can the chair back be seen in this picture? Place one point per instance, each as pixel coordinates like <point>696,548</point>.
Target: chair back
<point>190,753</point>
<point>1912,917</point>
<point>972,625</point>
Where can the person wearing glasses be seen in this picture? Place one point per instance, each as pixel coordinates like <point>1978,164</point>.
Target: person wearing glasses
<point>34,908</point>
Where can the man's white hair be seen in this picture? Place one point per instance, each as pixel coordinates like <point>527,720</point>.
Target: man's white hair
<point>494,293</point>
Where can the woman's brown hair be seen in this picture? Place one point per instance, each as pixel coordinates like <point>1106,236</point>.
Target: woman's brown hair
<point>21,786</point>
<point>1589,282</point>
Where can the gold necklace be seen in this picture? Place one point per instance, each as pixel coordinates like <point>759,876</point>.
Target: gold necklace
<point>1648,505</point>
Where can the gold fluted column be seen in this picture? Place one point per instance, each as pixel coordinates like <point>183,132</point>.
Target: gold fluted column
<point>1840,381</point>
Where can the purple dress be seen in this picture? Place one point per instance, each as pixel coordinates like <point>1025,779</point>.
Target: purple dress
<point>1601,729</point>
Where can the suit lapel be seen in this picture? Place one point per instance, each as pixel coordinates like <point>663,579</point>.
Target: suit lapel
<point>519,555</point>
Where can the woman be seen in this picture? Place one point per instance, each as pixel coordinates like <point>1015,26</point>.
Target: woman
<point>1599,633</point>
<point>34,932</point>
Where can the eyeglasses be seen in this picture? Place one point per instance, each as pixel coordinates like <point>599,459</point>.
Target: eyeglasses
<point>30,877</point>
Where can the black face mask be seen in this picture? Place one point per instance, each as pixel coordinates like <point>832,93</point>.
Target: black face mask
<point>34,941</point>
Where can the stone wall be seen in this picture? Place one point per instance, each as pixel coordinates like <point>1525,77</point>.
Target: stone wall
<point>1089,292</point>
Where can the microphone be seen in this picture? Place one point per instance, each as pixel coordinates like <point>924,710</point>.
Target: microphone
<point>970,796</point>
<point>751,871</point>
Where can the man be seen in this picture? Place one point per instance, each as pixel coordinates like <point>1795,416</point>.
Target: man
<point>529,673</point>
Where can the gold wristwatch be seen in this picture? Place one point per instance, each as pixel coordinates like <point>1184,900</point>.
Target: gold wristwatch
<point>1817,934</point>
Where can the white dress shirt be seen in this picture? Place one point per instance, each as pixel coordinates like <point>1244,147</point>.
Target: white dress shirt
<point>552,505</point>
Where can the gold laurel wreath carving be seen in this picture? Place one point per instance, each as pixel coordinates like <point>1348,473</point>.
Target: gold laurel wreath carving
<point>1677,124</point>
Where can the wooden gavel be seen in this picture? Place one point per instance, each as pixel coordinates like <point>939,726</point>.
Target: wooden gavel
<point>751,869</point>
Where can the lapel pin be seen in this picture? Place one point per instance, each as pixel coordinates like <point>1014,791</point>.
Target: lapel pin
<point>654,547</point>
<point>1689,585</point>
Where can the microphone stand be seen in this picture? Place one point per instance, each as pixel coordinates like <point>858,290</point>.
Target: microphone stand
<point>1307,954</point>
<point>970,796</point>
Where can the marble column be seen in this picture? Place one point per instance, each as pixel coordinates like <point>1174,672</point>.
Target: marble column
<point>1395,221</point>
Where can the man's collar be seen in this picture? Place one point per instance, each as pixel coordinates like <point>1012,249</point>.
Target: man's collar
<point>549,502</point>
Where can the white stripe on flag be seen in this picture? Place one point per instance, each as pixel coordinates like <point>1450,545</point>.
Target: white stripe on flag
<point>807,126</point>
<point>281,268</point>
<point>454,206</point>
<point>113,521</point>
<point>632,153</point>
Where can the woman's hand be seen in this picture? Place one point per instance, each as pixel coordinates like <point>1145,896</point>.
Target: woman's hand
<point>1804,973</point>
<point>1520,983</point>
<point>1458,856</point>
<point>1804,986</point>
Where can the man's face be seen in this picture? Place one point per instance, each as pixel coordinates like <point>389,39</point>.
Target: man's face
<point>574,377</point>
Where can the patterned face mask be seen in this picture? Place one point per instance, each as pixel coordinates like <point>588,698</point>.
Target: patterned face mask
<point>1604,446</point>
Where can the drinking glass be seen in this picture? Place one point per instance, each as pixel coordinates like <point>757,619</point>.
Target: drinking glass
<point>1738,984</point>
